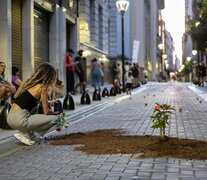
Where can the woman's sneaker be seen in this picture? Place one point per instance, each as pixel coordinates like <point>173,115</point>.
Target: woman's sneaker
<point>24,138</point>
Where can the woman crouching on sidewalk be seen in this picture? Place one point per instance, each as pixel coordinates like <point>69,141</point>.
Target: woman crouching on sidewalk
<point>28,95</point>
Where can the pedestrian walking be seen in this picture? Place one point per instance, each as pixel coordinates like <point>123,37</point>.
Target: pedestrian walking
<point>6,88</point>
<point>116,73</point>
<point>80,71</point>
<point>29,94</point>
<point>70,66</point>
<point>129,82</point>
<point>145,73</point>
<point>126,70</point>
<point>96,74</point>
<point>135,74</point>
<point>202,74</point>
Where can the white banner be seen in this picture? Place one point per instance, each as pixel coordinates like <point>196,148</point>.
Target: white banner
<point>135,51</point>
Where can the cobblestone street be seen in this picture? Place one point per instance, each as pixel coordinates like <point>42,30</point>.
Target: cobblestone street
<point>45,161</point>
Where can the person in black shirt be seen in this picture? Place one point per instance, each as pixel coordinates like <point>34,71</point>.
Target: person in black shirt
<point>34,90</point>
<point>201,74</point>
<point>80,71</point>
<point>135,74</point>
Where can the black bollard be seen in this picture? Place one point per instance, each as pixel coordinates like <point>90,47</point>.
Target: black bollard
<point>68,102</point>
<point>113,92</point>
<point>105,92</point>
<point>97,95</point>
<point>4,115</point>
<point>85,98</point>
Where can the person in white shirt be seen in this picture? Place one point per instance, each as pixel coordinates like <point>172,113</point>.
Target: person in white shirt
<point>129,82</point>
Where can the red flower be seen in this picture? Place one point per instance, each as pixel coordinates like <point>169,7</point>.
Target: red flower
<point>58,129</point>
<point>157,107</point>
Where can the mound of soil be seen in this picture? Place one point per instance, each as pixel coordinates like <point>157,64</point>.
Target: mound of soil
<point>112,141</point>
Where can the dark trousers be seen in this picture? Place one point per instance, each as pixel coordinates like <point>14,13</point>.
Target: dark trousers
<point>70,81</point>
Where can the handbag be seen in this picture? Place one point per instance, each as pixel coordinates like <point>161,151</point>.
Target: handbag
<point>4,115</point>
<point>58,106</point>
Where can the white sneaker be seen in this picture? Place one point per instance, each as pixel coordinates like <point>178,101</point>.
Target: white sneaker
<point>24,138</point>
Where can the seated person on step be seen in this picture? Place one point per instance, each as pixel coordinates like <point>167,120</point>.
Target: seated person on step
<point>6,88</point>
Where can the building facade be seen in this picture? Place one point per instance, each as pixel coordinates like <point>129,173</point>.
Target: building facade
<point>37,31</point>
<point>170,64</point>
<point>94,33</point>
<point>145,30</point>
<point>187,43</point>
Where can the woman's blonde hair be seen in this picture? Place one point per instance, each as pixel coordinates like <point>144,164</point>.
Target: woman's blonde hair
<point>45,74</point>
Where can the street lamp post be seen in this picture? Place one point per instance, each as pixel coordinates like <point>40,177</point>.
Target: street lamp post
<point>161,75</point>
<point>160,46</point>
<point>122,6</point>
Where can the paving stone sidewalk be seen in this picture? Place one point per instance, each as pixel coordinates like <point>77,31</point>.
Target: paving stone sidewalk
<point>62,162</point>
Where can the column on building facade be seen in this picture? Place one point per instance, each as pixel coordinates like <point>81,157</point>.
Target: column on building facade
<point>54,34</point>
<point>60,38</point>
<point>139,32</point>
<point>5,35</point>
<point>27,39</point>
<point>84,18</point>
<point>105,27</point>
<point>62,44</point>
<point>94,23</point>
<point>112,30</point>
<point>75,39</point>
<point>100,28</point>
<point>153,40</point>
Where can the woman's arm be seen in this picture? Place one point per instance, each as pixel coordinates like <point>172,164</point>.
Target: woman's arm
<point>10,88</point>
<point>45,103</point>
<point>18,82</point>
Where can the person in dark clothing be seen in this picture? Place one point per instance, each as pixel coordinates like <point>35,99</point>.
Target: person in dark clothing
<point>70,65</point>
<point>80,71</point>
<point>114,71</point>
<point>116,75</point>
<point>135,74</point>
<point>202,74</point>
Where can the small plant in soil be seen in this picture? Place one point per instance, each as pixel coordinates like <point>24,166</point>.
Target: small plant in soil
<point>160,118</point>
